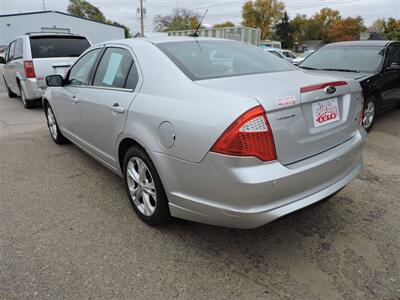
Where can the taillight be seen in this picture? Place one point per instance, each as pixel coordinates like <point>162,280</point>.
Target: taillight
<point>29,69</point>
<point>249,135</point>
<point>362,110</point>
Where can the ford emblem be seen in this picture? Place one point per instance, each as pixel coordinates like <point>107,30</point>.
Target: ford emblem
<point>330,90</point>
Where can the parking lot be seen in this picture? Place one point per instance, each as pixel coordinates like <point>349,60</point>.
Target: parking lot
<point>68,231</point>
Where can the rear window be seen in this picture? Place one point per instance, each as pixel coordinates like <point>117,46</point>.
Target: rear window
<point>58,46</point>
<point>215,59</point>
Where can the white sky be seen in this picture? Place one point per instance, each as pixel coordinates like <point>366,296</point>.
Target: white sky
<point>124,11</point>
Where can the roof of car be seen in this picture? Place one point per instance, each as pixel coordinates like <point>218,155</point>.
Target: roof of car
<point>158,40</point>
<point>377,43</point>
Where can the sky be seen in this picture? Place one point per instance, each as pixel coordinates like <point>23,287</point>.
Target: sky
<point>125,11</point>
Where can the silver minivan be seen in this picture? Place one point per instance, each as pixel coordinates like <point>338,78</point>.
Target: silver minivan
<point>33,56</point>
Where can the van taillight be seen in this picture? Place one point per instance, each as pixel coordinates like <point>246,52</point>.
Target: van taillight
<point>29,69</point>
<point>249,135</point>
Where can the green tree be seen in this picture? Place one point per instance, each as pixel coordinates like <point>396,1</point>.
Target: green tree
<point>321,22</point>
<point>224,24</point>
<point>263,14</point>
<point>180,19</point>
<point>84,9</point>
<point>284,32</point>
<point>392,29</point>
<point>299,28</point>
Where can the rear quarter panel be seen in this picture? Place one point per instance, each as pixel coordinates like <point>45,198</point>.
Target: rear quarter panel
<point>199,115</point>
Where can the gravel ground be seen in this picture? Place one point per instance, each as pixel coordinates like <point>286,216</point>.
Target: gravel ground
<point>68,231</point>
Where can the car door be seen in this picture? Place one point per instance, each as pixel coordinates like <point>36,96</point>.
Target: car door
<point>391,77</point>
<point>9,69</point>
<point>66,104</point>
<point>105,105</point>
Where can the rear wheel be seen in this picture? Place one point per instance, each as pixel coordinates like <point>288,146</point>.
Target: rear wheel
<point>145,190</point>
<point>9,92</point>
<point>27,103</point>
<point>370,108</point>
<point>55,132</point>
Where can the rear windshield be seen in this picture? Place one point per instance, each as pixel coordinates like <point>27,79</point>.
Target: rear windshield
<point>346,58</point>
<point>215,59</point>
<point>58,46</point>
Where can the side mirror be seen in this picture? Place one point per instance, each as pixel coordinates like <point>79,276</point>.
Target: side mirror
<point>393,67</point>
<point>54,80</point>
<point>2,60</point>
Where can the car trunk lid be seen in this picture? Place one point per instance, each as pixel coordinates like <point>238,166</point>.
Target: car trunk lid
<point>305,119</point>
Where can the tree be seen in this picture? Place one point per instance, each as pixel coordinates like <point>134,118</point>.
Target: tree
<point>392,29</point>
<point>86,10</point>
<point>180,19</point>
<point>263,14</point>
<point>346,29</point>
<point>284,32</point>
<point>225,24</point>
<point>299,28</point>
<point>322,22</point>
<point>378,26</point>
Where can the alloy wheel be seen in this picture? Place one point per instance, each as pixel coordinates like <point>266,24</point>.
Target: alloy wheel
<point>141,186</point>
<point>51,120</point>
<point>369,115</point>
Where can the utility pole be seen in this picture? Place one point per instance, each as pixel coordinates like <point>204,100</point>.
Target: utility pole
<point>142,13</point>
<point>44,6</point>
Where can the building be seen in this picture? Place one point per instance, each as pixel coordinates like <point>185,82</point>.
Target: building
<point>244,34</point>
<point>311,45</point>
<point>13,25</point>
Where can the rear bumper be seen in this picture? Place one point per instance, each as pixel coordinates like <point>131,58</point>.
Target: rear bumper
<point>32,90</point>
<point>242,193</point>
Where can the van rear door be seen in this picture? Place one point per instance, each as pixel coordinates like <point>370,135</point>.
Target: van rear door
<point>54,54</point>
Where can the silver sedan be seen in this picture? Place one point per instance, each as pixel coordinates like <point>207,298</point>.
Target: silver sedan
<point>209,130</point>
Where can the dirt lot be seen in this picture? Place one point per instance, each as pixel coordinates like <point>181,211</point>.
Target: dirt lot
<point>68,231</point>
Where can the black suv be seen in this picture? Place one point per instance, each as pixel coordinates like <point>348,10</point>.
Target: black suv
<point>375,64</point>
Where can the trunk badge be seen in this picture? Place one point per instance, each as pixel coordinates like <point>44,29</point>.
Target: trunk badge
<point>330,90</point>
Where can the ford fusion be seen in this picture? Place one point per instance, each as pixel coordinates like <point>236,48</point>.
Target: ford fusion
<point>209,130</point>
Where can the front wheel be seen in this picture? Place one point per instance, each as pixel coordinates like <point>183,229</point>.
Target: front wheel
<point>55,132</point>
<point>370,108</point>
<point>10,94</point>
<point>145,190</point>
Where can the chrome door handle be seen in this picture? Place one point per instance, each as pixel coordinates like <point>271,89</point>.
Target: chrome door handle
<point>118,109</point>
<point>75,100</point>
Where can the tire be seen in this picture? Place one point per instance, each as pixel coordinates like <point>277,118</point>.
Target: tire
<point>151,203</point>
<point>370,110</point>
<point>55,132</point>
<point>9,92</point>
<point>27,103</point>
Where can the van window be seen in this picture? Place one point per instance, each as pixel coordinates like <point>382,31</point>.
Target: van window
<point>11,52</point>
<point>18,49</point>
<point>58,46</point>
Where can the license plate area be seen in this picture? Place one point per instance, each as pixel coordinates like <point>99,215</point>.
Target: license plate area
<point>325,112</point>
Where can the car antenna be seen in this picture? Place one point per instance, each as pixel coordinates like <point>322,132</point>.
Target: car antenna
<point>195,33</point>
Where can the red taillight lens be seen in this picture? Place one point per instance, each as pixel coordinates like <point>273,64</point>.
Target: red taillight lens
<point>29,69</point>
<point>249,135</point>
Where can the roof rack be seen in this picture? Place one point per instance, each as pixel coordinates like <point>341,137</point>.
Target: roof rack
<point>50,32</point>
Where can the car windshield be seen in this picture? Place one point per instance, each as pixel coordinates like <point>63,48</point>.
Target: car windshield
<point>349,58</point>
<point>58,46</point>
<point>215,59</point>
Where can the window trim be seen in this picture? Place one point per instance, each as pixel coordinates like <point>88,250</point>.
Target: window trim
<point>91,70</point>
<point>134,63</point>
<point>9,52</point>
